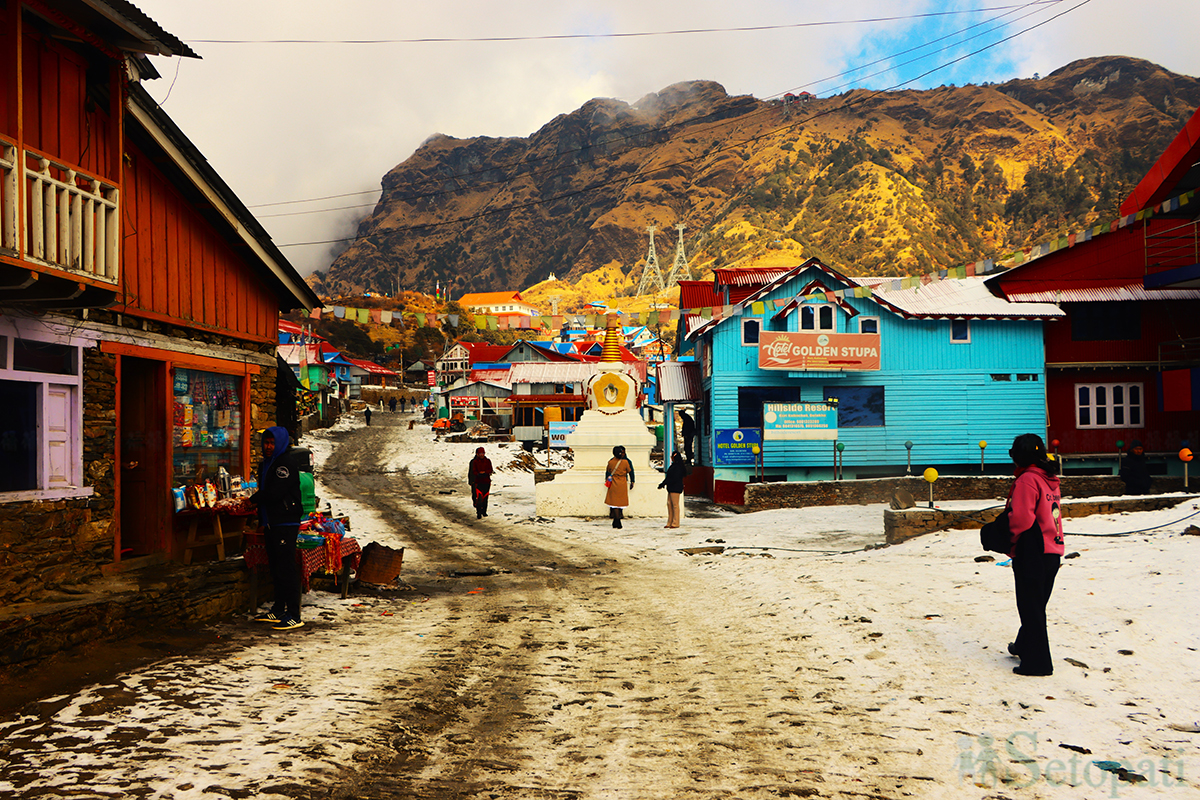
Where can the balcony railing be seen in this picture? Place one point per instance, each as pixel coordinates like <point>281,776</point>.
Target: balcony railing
<point>1174,247</point>
<point>71,219</point>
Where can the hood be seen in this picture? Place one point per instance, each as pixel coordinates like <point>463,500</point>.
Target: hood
<point>282,441</point>
<point>1041,474</point>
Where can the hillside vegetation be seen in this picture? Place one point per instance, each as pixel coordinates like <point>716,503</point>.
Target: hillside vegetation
<point>883,183</point>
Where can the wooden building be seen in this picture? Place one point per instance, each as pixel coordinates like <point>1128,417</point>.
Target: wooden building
<point>1122,365</point>
<point>799,369</point>
<point>138,301</point>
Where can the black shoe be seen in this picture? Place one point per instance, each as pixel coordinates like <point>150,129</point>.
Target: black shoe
<point>268,616</point>
<point>1012,649</point>
<point>1030,672</point>
<point>617,523</point>
<point>478,515</point>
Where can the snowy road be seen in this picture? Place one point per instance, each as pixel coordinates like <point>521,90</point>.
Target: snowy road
<point>596,663</point>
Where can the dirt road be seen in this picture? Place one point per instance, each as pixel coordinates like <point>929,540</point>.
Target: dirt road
<point>573,670</point>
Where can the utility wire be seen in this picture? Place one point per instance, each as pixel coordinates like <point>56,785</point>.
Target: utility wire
<point>660,168</point>
<point>645,134</point>
<point>620,35</point>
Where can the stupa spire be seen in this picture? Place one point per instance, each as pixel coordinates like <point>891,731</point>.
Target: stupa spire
<point>612,340</point>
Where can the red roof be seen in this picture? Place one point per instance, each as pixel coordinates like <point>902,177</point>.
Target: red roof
<point>1164,178</point>
<point>698,294</point>
<point>485,353</point>
<point>371,366</point>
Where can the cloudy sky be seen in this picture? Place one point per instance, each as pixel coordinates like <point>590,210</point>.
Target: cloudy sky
<point>322,119</point>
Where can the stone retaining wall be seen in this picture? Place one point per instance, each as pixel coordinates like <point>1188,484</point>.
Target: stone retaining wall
<point>800,494</point>
<point>899,526</point>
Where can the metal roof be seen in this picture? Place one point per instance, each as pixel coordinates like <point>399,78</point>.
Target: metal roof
<point>747,276</point>
<point>1103,294</point>
<point>490,375</point>
<point>559,371</point>
<point>959,298</point>
<point>679,381</point>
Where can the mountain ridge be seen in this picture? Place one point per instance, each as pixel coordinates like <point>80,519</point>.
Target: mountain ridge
<point>884,183</point>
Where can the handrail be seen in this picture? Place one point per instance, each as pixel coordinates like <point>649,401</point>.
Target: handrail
<point>71,218</point>
<point>9,187</point>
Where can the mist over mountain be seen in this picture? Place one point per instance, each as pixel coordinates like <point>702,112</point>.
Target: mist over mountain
<point>883,183</point>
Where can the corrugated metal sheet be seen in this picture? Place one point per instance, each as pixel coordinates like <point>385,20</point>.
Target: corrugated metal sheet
<point>957,298</point>
<point>748,276</point>
<point>559,371</point>
<point>497,376</point>
<point>679,381</point>
<point>1104,294</point>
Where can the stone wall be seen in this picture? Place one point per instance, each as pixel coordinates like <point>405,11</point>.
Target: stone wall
<point>908,523</point>
<point>763,496</point>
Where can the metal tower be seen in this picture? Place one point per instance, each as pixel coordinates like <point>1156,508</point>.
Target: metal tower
<point>652,273</point>
<point>679,268</point>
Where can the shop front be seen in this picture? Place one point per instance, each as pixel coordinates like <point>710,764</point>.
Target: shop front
<point>185,441</point>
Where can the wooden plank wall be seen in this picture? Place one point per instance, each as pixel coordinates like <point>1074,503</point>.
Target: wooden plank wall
<point>177,268</point>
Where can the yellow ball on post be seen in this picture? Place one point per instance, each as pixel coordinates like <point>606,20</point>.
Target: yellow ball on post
<point>931,474</point>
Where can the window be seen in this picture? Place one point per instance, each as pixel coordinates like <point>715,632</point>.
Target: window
<point>750,329</point>
<point>1027,376</point>
<point>1108,405</point>
<point>816,317</point>
<point>751,399</point>
<point>858,406</point>
<point>207,425</point>
<point>960,331</point>
<point>868,324</point>
<point>1001,376</point>
<point>1105,322</point>
<point>41,450</point>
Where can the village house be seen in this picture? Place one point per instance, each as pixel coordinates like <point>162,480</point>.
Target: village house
<point>509,307</point>
<point>138,302</point>
<point>800,366</point>
<point>1123,366</point>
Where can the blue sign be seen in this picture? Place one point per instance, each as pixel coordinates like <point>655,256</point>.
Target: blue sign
<point>559,432</point>
<point>799,421</point>
<point>734,447</point>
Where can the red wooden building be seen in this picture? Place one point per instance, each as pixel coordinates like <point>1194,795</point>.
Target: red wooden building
<point>1122,365</point>
<point>138,300</point>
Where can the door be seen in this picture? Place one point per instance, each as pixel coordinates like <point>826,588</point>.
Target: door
<point>145,494</point>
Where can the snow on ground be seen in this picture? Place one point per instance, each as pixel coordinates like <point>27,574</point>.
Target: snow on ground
<point>1124,612</point>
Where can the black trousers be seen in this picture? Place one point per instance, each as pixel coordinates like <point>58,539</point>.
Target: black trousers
<point>285,574</point>
<point>479,494</point>
<point>1033,573</point>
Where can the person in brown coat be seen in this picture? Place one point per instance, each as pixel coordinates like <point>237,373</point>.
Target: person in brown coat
<point>618,477</point>
<point>479,476</point>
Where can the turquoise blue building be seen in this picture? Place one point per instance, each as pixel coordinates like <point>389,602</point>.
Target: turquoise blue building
<point>807,363</point>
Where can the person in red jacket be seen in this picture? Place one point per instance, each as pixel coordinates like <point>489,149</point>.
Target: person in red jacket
<point>1035,521</point>
<point>479,476</point>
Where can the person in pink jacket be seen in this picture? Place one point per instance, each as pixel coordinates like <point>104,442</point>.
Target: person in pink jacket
<point>1035,521</point>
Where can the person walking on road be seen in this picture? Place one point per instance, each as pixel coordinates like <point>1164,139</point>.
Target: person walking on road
<point>279,511</point>
<point>673,483</point>
<point>688,428</point>
<point>1035,523</point>
<point>618,477</point>
<point>367,414</point>
<point>403,405</point>
<point>392,405</point>
<point>479,476</point>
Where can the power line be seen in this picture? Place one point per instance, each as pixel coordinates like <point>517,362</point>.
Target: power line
<point>662,167</point>
<point>618,35</point>
<point>642,134</point>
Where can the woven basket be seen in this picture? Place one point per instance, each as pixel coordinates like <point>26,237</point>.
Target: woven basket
<point>380,564</point>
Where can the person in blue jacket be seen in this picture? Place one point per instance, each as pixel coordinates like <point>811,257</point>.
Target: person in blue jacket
<point>279,511</point>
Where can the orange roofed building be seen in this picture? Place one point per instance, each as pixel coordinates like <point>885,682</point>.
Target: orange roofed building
<point>508,305</point>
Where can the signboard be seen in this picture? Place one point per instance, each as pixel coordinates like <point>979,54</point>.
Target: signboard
<point>464,401</point>
<point>734,447</point>
<point>429,376</point>
<point>830,352</point>
<point>799,421</point>
<point>559,432</point>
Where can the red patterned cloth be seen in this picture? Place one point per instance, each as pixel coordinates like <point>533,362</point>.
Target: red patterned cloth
<point>310,560</point>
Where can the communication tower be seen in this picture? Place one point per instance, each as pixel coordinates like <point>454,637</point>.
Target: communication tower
<point>679,268</point>
<point>652,273</point>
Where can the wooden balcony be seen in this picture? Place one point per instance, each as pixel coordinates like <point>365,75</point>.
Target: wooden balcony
<point>59,223</point>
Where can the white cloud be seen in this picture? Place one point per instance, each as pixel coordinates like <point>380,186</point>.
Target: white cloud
<point>296,121</point>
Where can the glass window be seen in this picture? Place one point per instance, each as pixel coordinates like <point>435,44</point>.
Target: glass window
<point>18,436</point>
<point>50,357</point>
<point>1105,322</point>
<point>1109,405</point>
<point>207,425</point>
<point>751,399</point>
<point>816,316</point>
<point>868,324</point>
<point>858,406</point>
<point>750,329</point>
<point>960,331</point>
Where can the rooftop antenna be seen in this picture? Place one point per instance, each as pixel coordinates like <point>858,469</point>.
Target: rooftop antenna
<point>680,266</point>
<point>651,273</point>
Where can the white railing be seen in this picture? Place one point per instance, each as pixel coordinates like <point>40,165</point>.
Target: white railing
<point>8,198</point>
<point>71,219</point>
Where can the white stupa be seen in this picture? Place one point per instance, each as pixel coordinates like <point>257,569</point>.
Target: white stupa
<point>612,418</point>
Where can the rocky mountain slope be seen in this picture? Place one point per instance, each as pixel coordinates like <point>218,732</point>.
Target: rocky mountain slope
<point>886,183</point>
